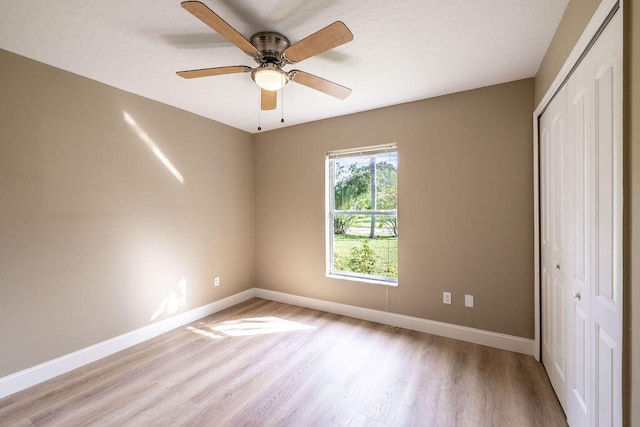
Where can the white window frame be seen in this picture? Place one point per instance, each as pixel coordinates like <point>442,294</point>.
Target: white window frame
<point>330,211</point>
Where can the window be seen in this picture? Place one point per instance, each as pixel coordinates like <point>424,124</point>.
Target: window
<point>362,219</point>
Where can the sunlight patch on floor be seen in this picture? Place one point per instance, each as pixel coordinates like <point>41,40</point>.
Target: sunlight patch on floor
<point>204,333</point>
<point>258,326</point>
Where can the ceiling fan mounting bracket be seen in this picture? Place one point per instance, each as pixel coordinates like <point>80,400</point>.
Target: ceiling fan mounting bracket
<point>271,45</point>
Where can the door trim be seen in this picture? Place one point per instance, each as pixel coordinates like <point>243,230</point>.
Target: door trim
<point>598,20</point>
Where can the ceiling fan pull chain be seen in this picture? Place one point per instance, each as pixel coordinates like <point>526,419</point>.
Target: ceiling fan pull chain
<point>259,108</point>
<point>282,103</point>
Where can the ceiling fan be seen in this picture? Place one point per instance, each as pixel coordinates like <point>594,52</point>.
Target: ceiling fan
<point>272,51</point>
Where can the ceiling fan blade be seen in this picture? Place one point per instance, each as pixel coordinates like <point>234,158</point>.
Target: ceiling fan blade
<point>327,38</point>
<point>206,72</point>
<point>318,83</point>
<point>219,25</point>
<point>268,99</point>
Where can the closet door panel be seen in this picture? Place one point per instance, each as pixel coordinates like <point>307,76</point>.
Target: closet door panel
<point>606,305</point>
<point>553,130</point>
<point>605,395</point>
<point>580,378</point>
<point>605,289</point>
<point>545,275</point>
<point>581,230</point>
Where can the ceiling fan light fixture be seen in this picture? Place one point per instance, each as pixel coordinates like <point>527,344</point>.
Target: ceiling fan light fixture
<point>269,77</point>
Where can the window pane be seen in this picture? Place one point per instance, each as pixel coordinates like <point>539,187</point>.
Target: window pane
<point>352,183</point>
<point>354,177</point>
<point>362,248</point>
<point>387,181</point>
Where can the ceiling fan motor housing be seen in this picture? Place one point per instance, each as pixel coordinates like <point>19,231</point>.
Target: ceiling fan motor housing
<point>271,45</point>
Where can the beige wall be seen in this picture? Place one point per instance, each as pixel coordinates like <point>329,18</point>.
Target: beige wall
<point>465,207</point>
<point>576,17</point>
<point>574,21</point>
<point>95,232</point>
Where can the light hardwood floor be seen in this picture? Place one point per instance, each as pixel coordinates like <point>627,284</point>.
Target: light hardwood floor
<point>266,363</point>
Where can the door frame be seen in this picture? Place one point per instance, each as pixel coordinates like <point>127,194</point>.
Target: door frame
<point>600,16</point>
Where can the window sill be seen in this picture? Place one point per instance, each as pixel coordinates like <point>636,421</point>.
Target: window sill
<point>361,280</point>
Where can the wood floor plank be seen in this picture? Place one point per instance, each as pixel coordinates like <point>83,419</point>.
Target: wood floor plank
<point>266,363</point>
<point>58,391</point>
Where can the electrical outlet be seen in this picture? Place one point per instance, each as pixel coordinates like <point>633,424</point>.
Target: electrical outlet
<point>446,297</point>
<point>468,301</point>
<point>216,281</point>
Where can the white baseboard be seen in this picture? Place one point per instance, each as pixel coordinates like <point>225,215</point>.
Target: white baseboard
<point>463,333</point>
<point>47,370</point>
<point>52,368</point>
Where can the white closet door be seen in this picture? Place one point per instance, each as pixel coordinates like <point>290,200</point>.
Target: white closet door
<point>582,230</point>
<point>581,192</point>
<point>606,292</point>
<point>594,379</point>
<point>553,194</point>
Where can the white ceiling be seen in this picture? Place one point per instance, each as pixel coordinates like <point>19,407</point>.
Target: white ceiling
<point>402,51</point>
